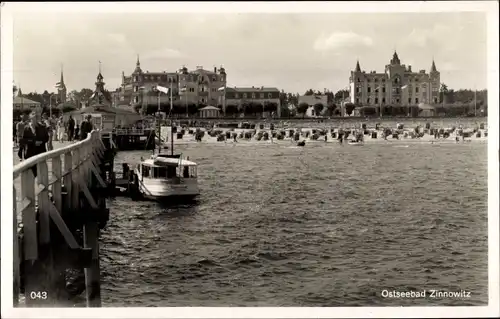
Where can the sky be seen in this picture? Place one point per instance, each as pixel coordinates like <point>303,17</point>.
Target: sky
<point>290,51</point>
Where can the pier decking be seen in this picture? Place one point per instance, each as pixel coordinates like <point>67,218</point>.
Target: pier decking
<point>59,198</point>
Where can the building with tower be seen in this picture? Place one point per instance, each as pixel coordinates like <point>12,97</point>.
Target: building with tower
<point>61,89</point>
<point>100,96</point>
<point>398,85</point>
<point>199,86</point>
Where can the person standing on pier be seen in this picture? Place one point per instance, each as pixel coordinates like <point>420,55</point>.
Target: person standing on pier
<point>20,130</point>
<point>71,128</point>
<point>35,138</point>
<point>60,129</point>
<point>86,127</point>
<point>50,130</point>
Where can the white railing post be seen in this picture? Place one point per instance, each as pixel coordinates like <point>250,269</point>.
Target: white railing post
<point>75,199</point>
<point>43,202</point>
<point>29,215</point>
<point>16,251</point>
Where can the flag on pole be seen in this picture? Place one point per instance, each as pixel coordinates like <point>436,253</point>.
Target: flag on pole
<point>162,89</point>
<point>58,86</point>
<point>183,89</point>
<point>404,86</point>
<point>221,88</point>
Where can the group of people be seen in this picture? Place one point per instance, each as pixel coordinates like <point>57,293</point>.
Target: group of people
<point>34,134</point>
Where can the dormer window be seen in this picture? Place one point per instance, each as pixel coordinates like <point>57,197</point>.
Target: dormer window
<point>244,95</point>
<point>253,95</point>
<point>359,80</point>
<point>214,78</point>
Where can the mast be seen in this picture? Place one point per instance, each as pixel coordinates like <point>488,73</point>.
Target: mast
<point>158,123</point>
<point>171,124</point>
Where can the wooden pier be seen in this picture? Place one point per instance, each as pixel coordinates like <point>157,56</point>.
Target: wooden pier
<point>134,139</point>
<point>60,198</point>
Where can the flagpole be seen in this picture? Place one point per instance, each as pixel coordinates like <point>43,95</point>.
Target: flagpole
<point>159,125</point>
<point>475,102</point>
<point>171,124</point>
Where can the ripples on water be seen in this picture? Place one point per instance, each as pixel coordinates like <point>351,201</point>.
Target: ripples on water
<point>324,225</point>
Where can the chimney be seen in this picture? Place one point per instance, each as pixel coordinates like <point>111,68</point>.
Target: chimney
<point>253,87</point>
<point>215,69</point>
<point>262,87</point>
<point>409,68</point>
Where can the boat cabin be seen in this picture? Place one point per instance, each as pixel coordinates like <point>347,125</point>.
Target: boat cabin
<point>166,168</point>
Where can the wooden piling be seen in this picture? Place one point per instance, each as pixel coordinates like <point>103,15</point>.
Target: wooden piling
<point>46,254</point>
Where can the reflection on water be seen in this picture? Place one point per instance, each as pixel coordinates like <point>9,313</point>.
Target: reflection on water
<point>322,225</point>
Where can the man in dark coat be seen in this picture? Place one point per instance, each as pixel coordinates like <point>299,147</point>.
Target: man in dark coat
<point>86,127</point>
<point>35,137</point>
<point>71,128</point>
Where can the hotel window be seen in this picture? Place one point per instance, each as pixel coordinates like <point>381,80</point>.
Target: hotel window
<point>202,100</point>
<point>375,80</point>
<point>383,100</point>
<point>191,89</point>
<point>435,100</point>
<point>236,95</point>
<point>416,100</point>
<point>270,95</point>
<point>368,80</point>
<point>383,89</point>
<point>416,80</point>
<point>409,100</point>
<point>202,89</point>
<point>376,100</point>
<point>174,80</point>
<point>136,88</point>
<point>416,90</point>
<point>369,89</point>
<point>136,99</point>
<point>357,90</point>
<point>261,95</point>
<point>169,80</point>
<point>244,95</point>
<point>253,95</point>
<point>357,101</point>
<point>214,90</point>
<point>368,101</point>
<point>383,80</point>
<point>359,80</point>
<point>397,100</point>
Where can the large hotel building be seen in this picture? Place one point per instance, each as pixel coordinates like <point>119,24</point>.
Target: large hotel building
<point>397,86</point>
<point>197,86</point>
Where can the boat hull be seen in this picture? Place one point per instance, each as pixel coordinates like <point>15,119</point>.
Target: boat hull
<point>163,189</point>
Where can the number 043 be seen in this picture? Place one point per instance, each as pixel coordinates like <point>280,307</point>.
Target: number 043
<point>38,295</point>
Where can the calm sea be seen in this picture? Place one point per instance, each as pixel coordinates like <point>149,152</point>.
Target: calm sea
<point>323,225</point>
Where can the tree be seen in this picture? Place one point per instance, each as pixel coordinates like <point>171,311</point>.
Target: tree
<point>330,109</point>
<point>302,109</point>
<point>340,94</point>
<point>14,90</point>
<point>368,111</point>
<point>270,107</point>
<point>349,108</point>
<point>231,109</point>
<point>318,107</point>
<point>443,90</point>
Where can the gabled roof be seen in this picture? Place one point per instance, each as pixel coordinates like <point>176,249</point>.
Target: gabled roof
<point>426,106</point>
<point>251,90</point>
<point>23,100</point>
<point>104,109</point>
<point>210,108</point>
<point>202,71</point>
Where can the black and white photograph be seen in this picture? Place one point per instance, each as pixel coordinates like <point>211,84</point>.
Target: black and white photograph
<point>249,159</point>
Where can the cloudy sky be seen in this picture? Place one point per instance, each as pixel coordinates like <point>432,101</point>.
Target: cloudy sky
<point>289,51</point>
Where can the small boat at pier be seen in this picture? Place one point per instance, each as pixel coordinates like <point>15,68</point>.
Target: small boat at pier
<point>166,177</point>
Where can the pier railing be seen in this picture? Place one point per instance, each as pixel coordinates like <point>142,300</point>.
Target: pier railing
<point>80,160</point>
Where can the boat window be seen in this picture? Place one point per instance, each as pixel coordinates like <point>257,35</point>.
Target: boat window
<point>185,172</point>
<point>193,171</point>
<point>162,172</point>
<point>171,171</point>
<point>146,171</point>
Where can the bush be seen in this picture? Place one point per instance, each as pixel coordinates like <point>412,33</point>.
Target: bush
<point>220,138</point>
<point>280,137</point>
<point>315,137</point>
